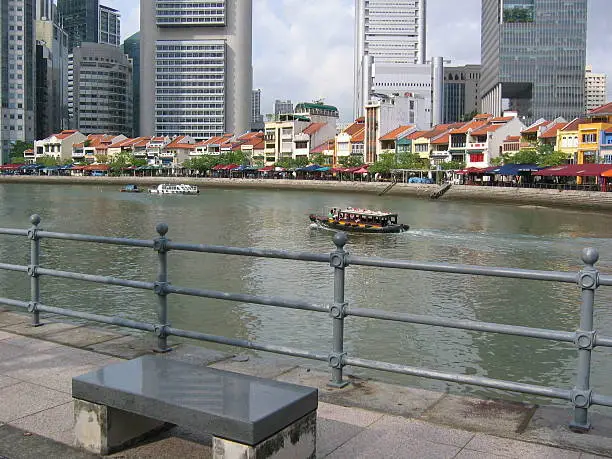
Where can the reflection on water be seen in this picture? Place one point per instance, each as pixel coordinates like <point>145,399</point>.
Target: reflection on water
<point>441,231</point>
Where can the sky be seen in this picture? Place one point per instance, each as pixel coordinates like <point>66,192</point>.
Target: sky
<point>303,50</point>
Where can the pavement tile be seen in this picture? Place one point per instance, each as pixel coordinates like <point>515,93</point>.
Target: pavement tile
<point>333,434</point>
<point>391,444</point>
<point>5,381</point>
<point>476,414</point>
<point>29,344</point>
<point>125,347</point>
<point>6,335</point>
<point>24,399</point>
<point>11,318</point>
<point>81,337</point>
<point>56,423</point>
<point>44,330</point>
<point>469,454</point>
<point>352,416</point>
<point>514,448</point>
<point>590,456</point>
<point>195,355</point>
<point>254,366</point>
<point>15,444</point>
<point>424,431</point>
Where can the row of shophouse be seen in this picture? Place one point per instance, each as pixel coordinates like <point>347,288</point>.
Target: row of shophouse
<point>311,131</point>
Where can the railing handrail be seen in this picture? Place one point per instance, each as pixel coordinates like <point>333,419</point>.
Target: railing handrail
<point>585,338</point>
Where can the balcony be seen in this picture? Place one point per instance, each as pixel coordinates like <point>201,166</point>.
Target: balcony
<point>477,146</point>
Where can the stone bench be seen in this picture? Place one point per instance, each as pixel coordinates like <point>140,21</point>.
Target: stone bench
<point>248,417</point>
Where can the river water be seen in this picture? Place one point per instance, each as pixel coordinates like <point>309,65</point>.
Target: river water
<point>441,231</point>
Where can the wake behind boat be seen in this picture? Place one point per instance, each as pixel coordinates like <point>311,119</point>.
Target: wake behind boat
<point>360,221</point>
<point>170,188</point>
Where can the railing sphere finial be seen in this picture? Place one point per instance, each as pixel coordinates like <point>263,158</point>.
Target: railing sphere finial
<point>590,256</point>
<point>35,219</point>
<point>340,239</point>
<point>162,229</point>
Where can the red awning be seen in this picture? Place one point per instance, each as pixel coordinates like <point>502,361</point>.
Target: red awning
<point>266,169</point>
<point>575,170</point>
<point>474,170</point>
<point>10,167</point>
<point>229,167</point>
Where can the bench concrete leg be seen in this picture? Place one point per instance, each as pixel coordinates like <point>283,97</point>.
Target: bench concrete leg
<point>102,429</point>
<point>297,441</point>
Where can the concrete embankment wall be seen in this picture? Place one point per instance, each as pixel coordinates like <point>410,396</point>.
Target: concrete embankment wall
<point>556,198</point>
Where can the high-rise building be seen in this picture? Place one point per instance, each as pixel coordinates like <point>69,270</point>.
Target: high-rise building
<point>80,19</point>
<point>533,57</point>
<point>461,92</point>
<point>51,71</point>
<point>17,74</point>
<point>392,33</point>
<point>196,67</point>
<point>257,121</point>
<point>595,89</point>
<point>131,47</point>
<point>100,90</point>
<point>109,31</point>
<point>282,107</point>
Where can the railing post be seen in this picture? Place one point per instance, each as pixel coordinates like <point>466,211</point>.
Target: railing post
<point>33,270</point>
<point>338,260</point>
<point>161,246</point>
<point>588,281</point>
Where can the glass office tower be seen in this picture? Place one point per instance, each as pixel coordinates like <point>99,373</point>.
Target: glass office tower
<point>80,19</point>
<point>533,57</point>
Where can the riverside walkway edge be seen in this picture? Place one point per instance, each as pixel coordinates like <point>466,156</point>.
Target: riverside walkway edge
<point>367,419</point>
<point>579,200</point>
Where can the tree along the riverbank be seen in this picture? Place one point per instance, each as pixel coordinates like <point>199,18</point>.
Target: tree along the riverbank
<point>541,154</point>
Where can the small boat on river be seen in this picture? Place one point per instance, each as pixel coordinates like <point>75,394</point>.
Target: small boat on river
<point>171,188</point>
<point>131,189</point>
<point>360,221</point>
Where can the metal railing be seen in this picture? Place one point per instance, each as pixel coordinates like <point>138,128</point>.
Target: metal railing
<point>585,338</point>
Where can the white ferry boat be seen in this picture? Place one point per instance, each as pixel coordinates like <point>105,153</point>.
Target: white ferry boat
<point>170,188</point>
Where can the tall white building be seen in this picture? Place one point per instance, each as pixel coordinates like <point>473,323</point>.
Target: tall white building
<point>392,33</point>
<point>17,74</point>
<point>595,89</point>
<point>196,67</point>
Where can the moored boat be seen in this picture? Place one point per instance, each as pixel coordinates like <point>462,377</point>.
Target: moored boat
<point>172,188</point>
<point>131,188</point>
<point>360,221</point>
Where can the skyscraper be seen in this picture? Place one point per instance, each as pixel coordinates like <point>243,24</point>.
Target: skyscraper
<point>51,71</point>
<point>100,90</point>
<point>533,57</point>
<point>17,74</point>
<point>257,122</point>
<point>196,68</point>
<point>110,26</point>
<point>282,106</point>
<point>81,19</point>
<point>392,32</point>
<point>131,47</point>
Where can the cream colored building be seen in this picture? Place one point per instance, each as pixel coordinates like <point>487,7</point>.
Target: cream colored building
<point>595,89</point>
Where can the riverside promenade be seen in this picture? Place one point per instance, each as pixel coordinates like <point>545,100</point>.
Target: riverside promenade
<point>367,419</point>
<point>580,200</point>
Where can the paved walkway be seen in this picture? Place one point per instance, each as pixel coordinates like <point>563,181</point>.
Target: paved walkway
<point>36,409</point>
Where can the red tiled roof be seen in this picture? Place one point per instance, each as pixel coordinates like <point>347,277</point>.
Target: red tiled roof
<point>485,129</point>
<point>415,135</point>
<point>499,119</point>
<point>482,116</point>
<point>396,133</point>
<point>356,126</point>
<point>513,138</point>
<point>603,110</point>
<point>313,127</point>
<point>474,124</point>
<point>534,128</point>
<point>327,145</point>
<point>551,132</point>
<point>574,124</point>
<point>359,136</point>
<point>141,142</point>
<point>442,140</point>
<point>65,134</point>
